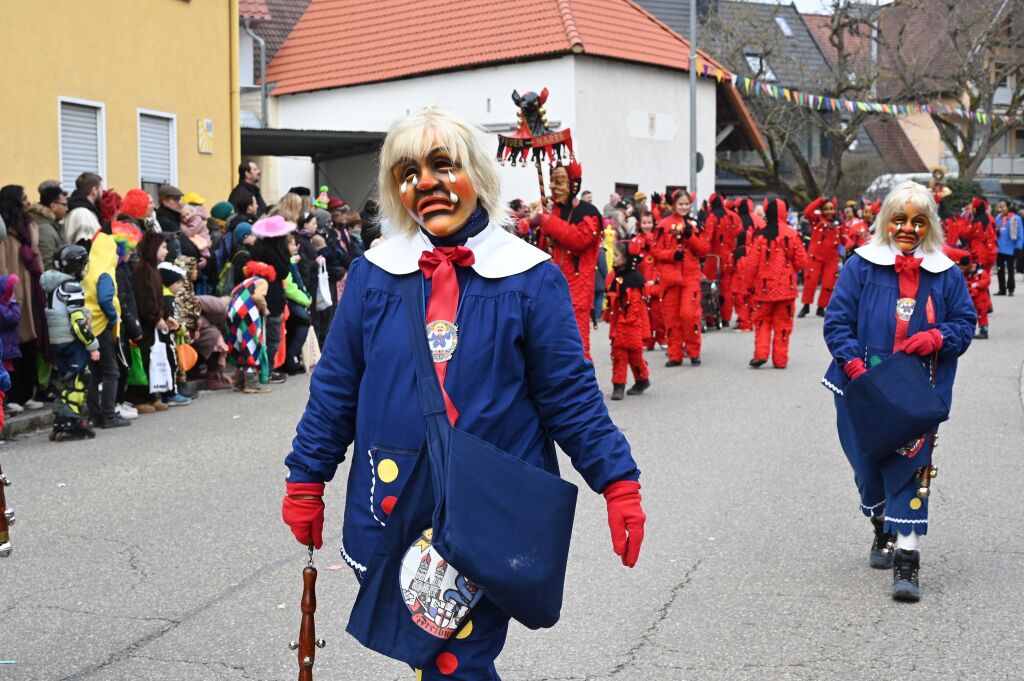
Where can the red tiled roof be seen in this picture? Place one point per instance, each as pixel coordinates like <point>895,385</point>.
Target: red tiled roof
<point>399,39</point>
<point>253,9</point>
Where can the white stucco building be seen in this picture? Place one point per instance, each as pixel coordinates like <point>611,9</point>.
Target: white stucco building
<point>628,107</point>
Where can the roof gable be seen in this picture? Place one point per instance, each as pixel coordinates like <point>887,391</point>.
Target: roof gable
<point>253,9</point>
<point>400,39</point>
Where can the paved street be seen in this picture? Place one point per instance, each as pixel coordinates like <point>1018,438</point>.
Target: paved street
<point>157,551</point>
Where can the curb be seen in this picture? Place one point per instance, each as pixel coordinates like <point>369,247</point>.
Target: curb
<point>29,422</point>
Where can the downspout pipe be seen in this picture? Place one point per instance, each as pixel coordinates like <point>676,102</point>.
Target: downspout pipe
<point>263,70</point>
<point>234,106</point>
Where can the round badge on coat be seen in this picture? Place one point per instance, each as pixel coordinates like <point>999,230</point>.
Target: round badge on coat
<point>443,338</point>
<point>439,598</point>
<point>905,308</point>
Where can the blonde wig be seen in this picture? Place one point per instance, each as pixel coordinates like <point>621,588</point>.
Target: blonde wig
<point>289,207</point>
<point>415,137</point>
<point>921,199</point>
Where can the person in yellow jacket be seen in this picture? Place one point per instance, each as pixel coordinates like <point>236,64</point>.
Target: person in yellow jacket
<point>100,284</point>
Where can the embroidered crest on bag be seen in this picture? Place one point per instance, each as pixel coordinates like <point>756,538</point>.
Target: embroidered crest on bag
<point>442,338</point>
<point>905,308</point>
<point>439,598</point>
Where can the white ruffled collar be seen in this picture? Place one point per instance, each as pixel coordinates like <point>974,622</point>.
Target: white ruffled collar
<point>885,254</point>
<point>497,253</point>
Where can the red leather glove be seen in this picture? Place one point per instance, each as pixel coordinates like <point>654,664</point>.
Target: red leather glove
<point>855,368</point>
<point>625,515</point>
<point>303,511</point>
<point>923,343</point>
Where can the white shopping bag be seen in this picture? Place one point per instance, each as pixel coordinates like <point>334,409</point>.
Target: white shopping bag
<point>161,379</point>
<point>323,289</point>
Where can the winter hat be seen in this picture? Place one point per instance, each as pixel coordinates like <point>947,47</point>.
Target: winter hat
<point>335,204</point>
<point>221,210</point>
<point>7,287</point>
<point>639,196</point>
<point>273,226</point>
<point>243,230</point>
<point>135,204</point>
<point>194,198</point>
<point>170,273</point>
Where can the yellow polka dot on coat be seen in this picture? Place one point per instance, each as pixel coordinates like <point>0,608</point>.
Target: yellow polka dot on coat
<point>419,675</point>
<point>915,503</point>
<point>387,470</point>
<point>465,631</point>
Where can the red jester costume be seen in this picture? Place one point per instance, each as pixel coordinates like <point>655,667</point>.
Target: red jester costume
<point>648,269</point>
<point>722,226</point>
<point>680,246</point>
<point>572,235</point>
<point>775,256</point>
<point>629,324</point>
<point>823,263</point>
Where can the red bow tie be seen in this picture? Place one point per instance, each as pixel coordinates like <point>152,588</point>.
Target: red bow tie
<point>439,266</point>
<point>907,262</point>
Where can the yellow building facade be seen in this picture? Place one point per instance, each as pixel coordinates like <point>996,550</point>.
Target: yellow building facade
<point>145,90</point>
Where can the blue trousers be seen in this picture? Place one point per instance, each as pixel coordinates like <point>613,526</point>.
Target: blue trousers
<point>887,486</point>
<point>470,654</point>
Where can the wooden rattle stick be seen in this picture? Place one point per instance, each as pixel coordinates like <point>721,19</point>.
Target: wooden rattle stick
<point>308,642</point>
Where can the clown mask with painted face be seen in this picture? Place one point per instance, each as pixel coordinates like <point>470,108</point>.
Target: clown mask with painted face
<point>908,227</point>
<point>561,187</point>
<point>436,191</point>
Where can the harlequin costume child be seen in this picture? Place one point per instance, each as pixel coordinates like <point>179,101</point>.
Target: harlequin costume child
<point>247,312</point>
<point>823,252</point>
<point>680,246</point>
<point>895,285</point>
<point>776,256</point>
<point>572,235</point>
<point>722,226</point>
<point>510,364</point>
<point>629,323</point>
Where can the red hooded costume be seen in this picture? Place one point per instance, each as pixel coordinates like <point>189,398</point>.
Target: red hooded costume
<point>629,324</point>
<point>723,226</point>
<point>823,263</point>
<point>680,246</point>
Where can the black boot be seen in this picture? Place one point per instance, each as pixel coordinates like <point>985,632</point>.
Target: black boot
<point>758,362</point>
<point>695,361</point>
<point>820,312</point>
<point>618,391</point>
<point>639,387</point>
<point>804,311</point>
<point>673,363</point>
<point>982,333</point>
<point>881,547</point>
<point>905,568</point>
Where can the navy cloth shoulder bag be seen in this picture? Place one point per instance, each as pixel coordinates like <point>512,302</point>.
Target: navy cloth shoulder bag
<point>502,522</point>
<point>895,403</point>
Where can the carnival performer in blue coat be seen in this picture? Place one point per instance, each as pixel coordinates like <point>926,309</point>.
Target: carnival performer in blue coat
<point>507,354</point>
<point>868,320</point>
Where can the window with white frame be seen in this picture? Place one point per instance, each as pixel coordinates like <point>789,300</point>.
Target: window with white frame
<point>158,144</point>
<point>82,140</point>
<point>759,65</point>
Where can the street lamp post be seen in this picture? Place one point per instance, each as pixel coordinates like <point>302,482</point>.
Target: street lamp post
<point>693,96</point>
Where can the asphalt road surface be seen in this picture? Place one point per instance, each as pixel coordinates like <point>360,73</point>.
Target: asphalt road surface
<point>157,551</point>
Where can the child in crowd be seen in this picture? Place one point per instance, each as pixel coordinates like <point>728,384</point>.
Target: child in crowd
<point>297,325</point>
<point>171,275</point>
<point>247,314</point>
<point>104,307</point>
<point>740,295</point>
<point>628,318</point>
<point>72,340</point>
<point>10,317</point>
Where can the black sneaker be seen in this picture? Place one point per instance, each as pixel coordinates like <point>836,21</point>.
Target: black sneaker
<point>116,422</point>
<point>758,362</point>
<point>725,323</point>
<point>905,568</point>
<point>804,311</point>
<point>618,391</point>
<point>881,548</point>
<point>277,377</point>
<point>1000,293</point>
<point>820,312</point>
<point>982,334</point>
<point>695,361</point>
<point>639,387</point>
<point>673,363</point>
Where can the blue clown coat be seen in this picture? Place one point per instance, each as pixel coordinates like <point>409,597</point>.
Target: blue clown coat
<point>518,379</point>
